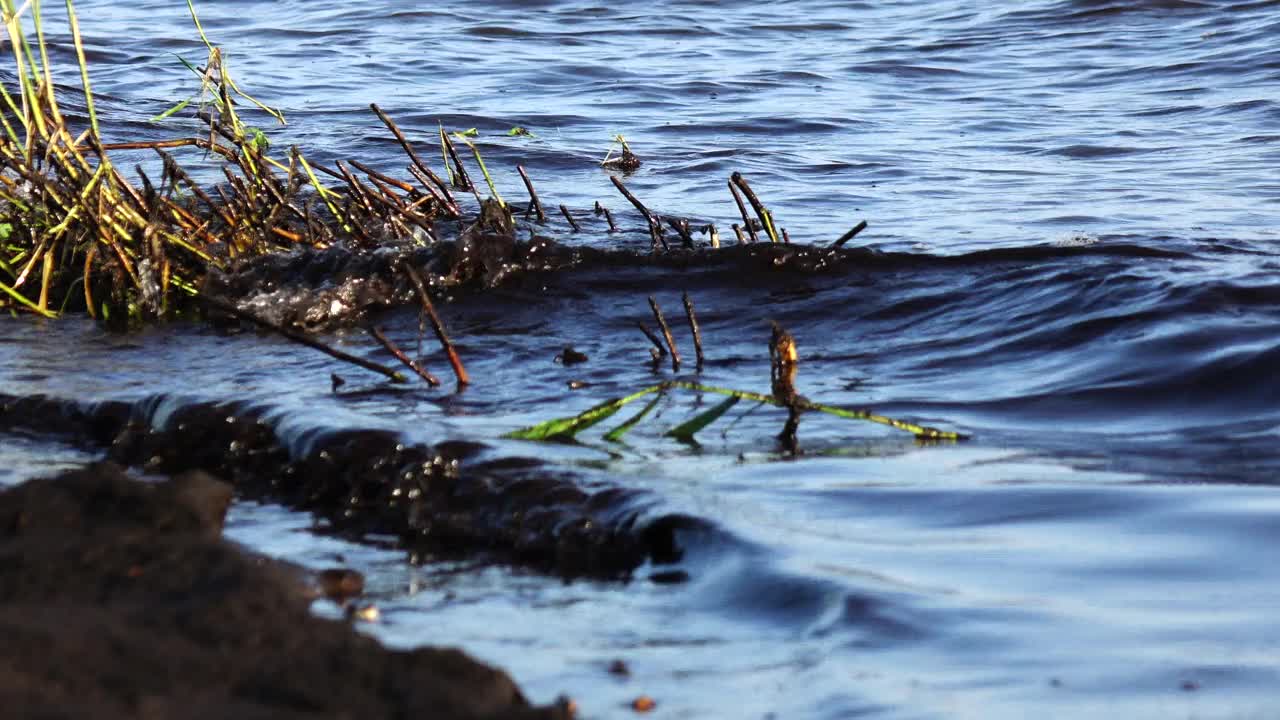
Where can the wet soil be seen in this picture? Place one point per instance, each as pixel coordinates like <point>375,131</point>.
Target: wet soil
<point>445,500</point>
<point>121,600</point>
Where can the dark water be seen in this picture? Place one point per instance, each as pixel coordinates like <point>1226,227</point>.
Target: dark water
<point>1078,203</point>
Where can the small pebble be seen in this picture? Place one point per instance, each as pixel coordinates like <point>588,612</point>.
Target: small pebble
<point>368,613</point>
<point>340,584</point>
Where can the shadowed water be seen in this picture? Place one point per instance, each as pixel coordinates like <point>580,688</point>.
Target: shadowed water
<point>1077,207</point>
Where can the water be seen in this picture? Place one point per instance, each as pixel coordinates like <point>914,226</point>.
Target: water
<point>1077,202</point>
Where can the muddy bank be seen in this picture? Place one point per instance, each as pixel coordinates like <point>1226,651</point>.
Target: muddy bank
<point>444,500</point>
<point>121,600</point>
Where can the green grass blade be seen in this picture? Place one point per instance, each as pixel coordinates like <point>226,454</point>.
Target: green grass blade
<point>615,435</point>
<point>196,19</point>
<point>923,431</point>
<point>26,303</point>
<point>321,190</point>
<point>686,430</point>
<point>84,69</point>
<point>570,426</point>
<point>172,110</point>
<point>480,161</point>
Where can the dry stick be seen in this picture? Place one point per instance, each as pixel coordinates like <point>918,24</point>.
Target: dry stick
<point>391,347</point>
<point>572,223</point>
<point>657,342</point>
<point>655,228</point>
<point>358,190</point>
<point>179,174</point>
<point>765,218</point>
<point>301,338</point>
<point>693,325</point>
<point>388,197</point>
<point>608,216</point>
<point>202,143</point>
<point>657,237</point>
<point>682,227</point>
<point>430,188</point>
<point>533,194</point>
<point>850,235</point>
<point>430,309</point>
<point>379,176</point>
<point>450,204</point>
<point>742,208</point>
<point>710,229</point>
<point>462,180</point>
<point>737,230</point>
<point>666,334</point>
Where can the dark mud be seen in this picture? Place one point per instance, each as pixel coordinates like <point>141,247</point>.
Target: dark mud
<point>447,500</point>
<point>121,600</point>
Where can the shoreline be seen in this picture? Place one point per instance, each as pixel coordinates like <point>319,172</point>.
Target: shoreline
<point>123,600</point>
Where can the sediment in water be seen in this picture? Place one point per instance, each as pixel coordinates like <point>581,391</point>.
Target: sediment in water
<point>121,600</point>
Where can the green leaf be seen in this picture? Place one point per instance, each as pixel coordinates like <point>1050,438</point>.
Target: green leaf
<point>615,435</point>
<point>570,426</point>
<point>518,131</point>
<point>25,302</point>
<point>171,110</point>
<point>469,132</point>
<point>259,139</point>
<point>685,431</point>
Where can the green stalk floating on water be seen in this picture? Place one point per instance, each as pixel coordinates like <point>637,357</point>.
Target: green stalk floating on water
<point>568,427</point>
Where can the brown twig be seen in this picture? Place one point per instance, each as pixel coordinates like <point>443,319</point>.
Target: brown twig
<point>429,186</point>
<point>379,176</point>
<point>649,216</point>
<point>657,342</point>
<point>742,208</point>
<point>301,338</point>
<point>850,235</point>
<point>666,334</point>
<point>572,223</point>
<point>449,203</point>
<point>461,180</point>
<point>458,370</point>
<point>608,216</point>
<point>761,211</point>
<point>391,347</point>
<point>682,228</point>
<point>657,236</point>
<point>710,230</point>
<point>693,325</point>
<point>202,143</point>
<point>533,194</point>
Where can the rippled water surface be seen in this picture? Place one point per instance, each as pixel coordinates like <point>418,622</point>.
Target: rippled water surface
<point>1076,204</point>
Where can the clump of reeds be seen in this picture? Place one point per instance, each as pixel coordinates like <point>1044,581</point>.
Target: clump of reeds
<point>71,218</point>
<point>76,232</point>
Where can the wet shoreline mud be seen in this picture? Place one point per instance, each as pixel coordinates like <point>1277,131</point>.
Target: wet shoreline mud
<point>447,500</point>
<point>121,599</point>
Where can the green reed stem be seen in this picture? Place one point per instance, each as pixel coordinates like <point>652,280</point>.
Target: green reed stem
<point>84,69</point>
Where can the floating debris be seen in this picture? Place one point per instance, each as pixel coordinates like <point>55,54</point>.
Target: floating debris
<point>569,356</point>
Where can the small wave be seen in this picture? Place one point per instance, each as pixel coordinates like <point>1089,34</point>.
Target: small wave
<point>1089,152</point>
